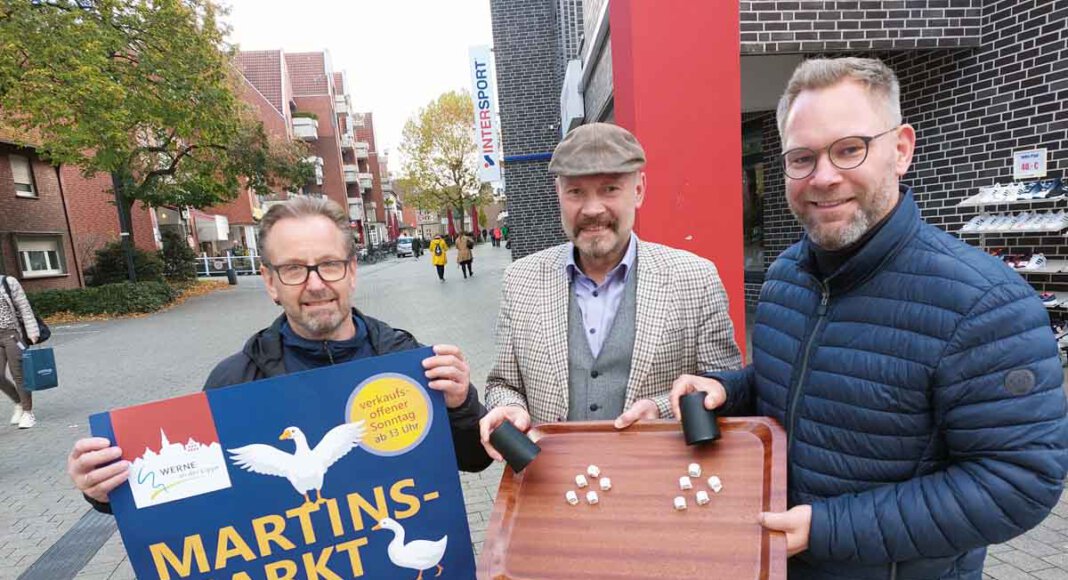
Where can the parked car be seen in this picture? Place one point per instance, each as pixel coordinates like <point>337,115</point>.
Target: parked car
<point>404,246</point>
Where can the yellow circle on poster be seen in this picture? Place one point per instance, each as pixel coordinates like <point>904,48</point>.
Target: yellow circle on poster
<point>396,413</point>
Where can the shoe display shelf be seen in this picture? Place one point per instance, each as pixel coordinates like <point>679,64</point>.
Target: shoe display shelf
<point>1038,234</point>
<point>1051,267</point>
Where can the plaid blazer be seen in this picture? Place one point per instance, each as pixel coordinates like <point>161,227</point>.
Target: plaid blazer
<point>682,327</point>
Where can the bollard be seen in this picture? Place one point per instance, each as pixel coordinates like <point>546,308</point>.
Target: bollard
<point>231,276</point>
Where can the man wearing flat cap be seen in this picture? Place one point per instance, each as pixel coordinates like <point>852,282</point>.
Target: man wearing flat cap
<point>598,328</point>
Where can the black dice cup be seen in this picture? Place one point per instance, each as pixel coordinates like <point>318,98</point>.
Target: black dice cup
<point>698,423</point>
<point>516,448</point>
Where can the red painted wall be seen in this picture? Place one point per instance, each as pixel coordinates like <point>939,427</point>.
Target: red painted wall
<point>677,87</point>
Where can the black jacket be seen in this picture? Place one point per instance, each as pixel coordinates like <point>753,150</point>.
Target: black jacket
<point>261,358</point>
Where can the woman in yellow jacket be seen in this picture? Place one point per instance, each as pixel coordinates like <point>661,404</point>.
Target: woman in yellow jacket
<point>438,248</point>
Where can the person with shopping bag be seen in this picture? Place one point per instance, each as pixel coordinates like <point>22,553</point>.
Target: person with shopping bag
<point>18,330</point>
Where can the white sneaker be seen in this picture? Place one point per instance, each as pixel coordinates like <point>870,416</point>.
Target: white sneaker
<point>27,420</point>
<point>1037,262</point>
<point>16,415</point>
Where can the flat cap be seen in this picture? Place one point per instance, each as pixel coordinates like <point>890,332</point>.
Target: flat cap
<point>597,148</point>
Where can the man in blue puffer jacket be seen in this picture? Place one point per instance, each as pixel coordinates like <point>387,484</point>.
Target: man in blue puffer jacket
<point>917,377</point>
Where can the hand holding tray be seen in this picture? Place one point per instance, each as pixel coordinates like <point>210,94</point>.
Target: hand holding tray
<point>634,531</point>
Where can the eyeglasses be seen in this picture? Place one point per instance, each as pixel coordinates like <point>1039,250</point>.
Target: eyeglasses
<point>845,153</point>
<point>297,274</point>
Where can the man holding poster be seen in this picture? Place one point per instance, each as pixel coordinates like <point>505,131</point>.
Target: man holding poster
<point>319,328</point>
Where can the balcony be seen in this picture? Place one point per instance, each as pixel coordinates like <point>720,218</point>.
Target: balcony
<point>356,211</point>
<point>352,174</point>
<point>341,104</point>
<point>363,149</point>
<point>367,180</point>
<point>347,141</point>
<point>317,163</point>
<point>306,128</point>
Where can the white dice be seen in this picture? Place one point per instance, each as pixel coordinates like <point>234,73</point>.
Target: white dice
<point>680,503</point>
<point>593,471</point>
<point>685,483</point>
<point>572,498</point>
<point>702,497</point>
<point>715,484</point>
<point>591,497</point>
<point>580,480</point>
<point>606,484</point>
<point>695,470</point>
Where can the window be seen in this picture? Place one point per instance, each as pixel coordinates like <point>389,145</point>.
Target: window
<point>23,174</point>
<point>40,256</point>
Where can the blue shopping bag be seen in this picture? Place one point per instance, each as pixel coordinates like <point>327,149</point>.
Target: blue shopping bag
<point>39,369</point>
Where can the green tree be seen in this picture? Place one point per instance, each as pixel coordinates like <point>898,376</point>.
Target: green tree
<point>441,157</point>
<point>179,260</point>
<point>143,90</point>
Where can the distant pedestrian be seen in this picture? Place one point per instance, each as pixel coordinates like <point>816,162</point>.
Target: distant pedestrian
<point>417,247</point>
<point>464,243</point>
<point>496,233</point>
<point>484,235</point>
<point>18,329</point>
<point>438,249</point>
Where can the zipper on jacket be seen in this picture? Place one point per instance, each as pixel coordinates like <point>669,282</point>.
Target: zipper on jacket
<point>329,355</point>
<point>893,570</point>
<point>795,396</point>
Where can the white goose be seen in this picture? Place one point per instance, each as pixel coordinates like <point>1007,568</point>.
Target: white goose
<point>305,467</point>
<point>418,554</point>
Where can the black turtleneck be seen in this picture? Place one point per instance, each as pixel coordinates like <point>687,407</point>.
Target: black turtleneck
<point>828,261</point>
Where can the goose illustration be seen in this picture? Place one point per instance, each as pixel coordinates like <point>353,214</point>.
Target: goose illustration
<point>305,467</point>
<point>418,554</point>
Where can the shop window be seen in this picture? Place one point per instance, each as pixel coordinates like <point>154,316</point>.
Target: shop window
<point>22,172</point>
<point>753,172</point>
<point>41,256</point>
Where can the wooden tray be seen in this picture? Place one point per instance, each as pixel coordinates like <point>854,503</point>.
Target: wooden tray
<point>635,532</point>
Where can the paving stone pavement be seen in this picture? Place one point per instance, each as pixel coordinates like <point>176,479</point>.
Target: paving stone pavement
<point>124,362</point>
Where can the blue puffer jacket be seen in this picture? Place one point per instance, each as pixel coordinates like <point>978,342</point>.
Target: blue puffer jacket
<point>920,389</point>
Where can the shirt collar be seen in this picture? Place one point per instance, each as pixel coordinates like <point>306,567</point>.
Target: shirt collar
<point>622,270</point>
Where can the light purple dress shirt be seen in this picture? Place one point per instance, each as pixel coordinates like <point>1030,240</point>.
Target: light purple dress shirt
<point>598,304</point>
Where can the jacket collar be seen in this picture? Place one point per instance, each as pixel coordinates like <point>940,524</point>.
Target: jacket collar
<point>899,228</point>
<point>265,347</point>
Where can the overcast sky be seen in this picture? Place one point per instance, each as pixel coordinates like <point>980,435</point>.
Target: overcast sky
<point>399,54</point>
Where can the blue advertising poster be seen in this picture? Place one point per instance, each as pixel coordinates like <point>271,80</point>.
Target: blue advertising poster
<point>346,471</point>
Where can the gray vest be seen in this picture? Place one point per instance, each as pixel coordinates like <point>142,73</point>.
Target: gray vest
<point>597,387</point>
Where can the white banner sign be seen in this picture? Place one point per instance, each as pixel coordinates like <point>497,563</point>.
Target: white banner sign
<point>1028,164</point>
<point>489,149</point>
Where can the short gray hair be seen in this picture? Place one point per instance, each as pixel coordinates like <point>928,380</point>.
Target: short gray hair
<point>304,207</point>
<point>820,73</point>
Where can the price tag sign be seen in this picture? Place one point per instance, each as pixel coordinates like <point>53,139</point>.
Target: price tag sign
<point>1028,164</point>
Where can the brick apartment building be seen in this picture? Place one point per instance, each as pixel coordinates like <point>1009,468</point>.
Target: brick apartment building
<point>980,79</point>
<point>52,219</point>
<point>299,94</point>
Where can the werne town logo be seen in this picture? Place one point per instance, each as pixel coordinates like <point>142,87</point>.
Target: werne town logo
<point>162,471</point>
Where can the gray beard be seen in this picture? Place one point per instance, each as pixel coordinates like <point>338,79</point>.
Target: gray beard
<point>842,237</point>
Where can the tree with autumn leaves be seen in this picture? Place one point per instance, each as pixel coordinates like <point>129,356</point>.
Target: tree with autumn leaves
<point>440,157</point>
<point>143,90</point>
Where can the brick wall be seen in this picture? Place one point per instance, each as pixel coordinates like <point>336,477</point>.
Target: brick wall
<point>529,70</point>
<point>21,217</point>
<point>94,219</point>
<point>778,27</point>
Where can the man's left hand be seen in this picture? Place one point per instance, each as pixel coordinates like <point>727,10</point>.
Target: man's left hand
<point>796,523</point>
<point>641,409</point>
<point>448,372</point>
